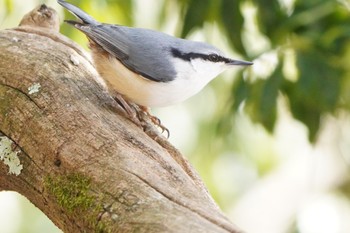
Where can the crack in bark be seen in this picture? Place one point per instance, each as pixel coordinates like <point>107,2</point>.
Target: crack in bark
<point>23,93</point>
<point>181,204</point>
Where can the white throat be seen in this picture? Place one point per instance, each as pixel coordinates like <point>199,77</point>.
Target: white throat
<point>194,75</point>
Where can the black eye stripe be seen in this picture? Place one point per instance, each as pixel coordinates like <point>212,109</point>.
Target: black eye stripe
<point>188,56</point>
<point>214,57</point>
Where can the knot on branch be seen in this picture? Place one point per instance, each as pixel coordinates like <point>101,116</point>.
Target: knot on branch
<point>42,16</point>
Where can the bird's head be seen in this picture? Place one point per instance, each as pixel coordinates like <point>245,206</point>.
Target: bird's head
<point>202,59</point>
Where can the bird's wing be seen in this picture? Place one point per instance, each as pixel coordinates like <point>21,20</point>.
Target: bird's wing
<point>135,49</point>
<point>113,41</point>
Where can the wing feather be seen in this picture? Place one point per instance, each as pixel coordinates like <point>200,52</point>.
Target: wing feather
<point>137,49</point>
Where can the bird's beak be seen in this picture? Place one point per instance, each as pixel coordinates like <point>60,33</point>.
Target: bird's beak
<point>239,63</point>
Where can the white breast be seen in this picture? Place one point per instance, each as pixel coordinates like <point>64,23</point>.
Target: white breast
<point>191,78</point>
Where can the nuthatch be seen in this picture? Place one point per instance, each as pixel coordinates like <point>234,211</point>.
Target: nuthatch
<point>147,67</point>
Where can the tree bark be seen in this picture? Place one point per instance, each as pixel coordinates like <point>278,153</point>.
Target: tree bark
<point>67,146</point>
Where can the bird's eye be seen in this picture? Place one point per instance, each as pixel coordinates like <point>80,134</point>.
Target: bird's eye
<point>213,57</point>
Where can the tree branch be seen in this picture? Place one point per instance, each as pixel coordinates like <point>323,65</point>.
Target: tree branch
<point>81,161</point>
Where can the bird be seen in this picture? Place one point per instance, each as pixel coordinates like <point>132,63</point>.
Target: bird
<point>148,67</point>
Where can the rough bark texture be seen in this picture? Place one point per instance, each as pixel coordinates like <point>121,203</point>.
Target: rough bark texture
<point>82,162</point>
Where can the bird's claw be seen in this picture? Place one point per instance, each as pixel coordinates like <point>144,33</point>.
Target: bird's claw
<point>155,120</point>
<point>139,114</point>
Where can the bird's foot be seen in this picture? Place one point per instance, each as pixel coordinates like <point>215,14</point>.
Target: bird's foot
<point>140,115</point>
<point>129,109</point>
<point>155,120</point>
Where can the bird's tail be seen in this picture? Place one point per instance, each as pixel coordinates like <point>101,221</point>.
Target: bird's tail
<point>83,16</point>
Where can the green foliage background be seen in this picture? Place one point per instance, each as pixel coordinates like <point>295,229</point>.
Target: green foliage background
<point>311,36</point>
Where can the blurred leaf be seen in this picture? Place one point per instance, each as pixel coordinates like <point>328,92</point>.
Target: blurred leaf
<point>318,80</point>
<point>316,92</point>
<point>270,18</point>
<point>125,8</point>
<point>262,103</point>
<point>344,188</point>
<point>8,6</point>
<point>309,15</point>
<point>302,4</point>
<point>195,15</point>
<point>321,38</point>
<point>266,103</point>
<point>163,14</point>
<point>318,32</point>
<point>260,98</point>
<point>240,92</point>
<point>233,22</point>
